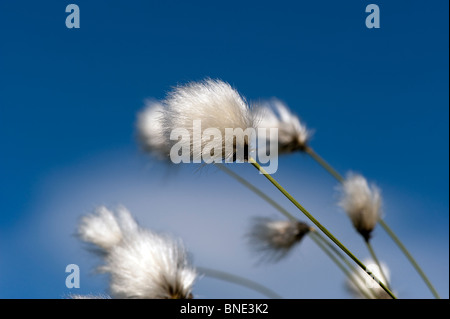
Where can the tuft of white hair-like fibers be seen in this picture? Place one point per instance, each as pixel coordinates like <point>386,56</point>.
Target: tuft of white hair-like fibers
<point>100,229</point>
<point>150,132</point>
<point>361,285</point>
<point>362,203</point>
<point>292,134</point>
<point>141,263</point>
<point>274,239</point>
<point>216,106</point>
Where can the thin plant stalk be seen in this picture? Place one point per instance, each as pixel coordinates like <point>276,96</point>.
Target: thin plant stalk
<point>338,253</point>
<point>324,164</point>
<point>319,225</point>
<point>410,257</point>
<point>254,189</point>
<point>382,223</point>
<point>377,261</point>
<point>324,245</point>
<point>239,280</point>
<point>317,237</point>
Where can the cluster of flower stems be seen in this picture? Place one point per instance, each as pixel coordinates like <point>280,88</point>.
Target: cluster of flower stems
<point>223,107</point>
<point>335,255</point>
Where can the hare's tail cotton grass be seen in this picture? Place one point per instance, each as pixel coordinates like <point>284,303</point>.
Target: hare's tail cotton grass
<point>141,263</point>
<point>217,107</point>
<point>292,134</point>
<point>362,203</point>
<point>361,285</point>
<point>100,229</point>
<point>150,132</point>
<point>275,238</point>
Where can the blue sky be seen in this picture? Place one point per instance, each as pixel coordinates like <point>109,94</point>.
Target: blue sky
<point>377,100</point>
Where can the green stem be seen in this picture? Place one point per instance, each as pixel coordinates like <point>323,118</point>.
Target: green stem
<point>324,245</point>
<point>319,225</point>
<point>324,164</point>
<point>383,224</point>
<point>317,237</point>
<point>377,261</point>
<point>255,190</point>
<point>410,258</point>
<point>342,257</point>
<point>239,280</point>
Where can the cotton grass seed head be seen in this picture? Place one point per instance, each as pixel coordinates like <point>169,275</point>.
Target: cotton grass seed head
<point>274,239</point>
<point>141,263</point>
<point>150,132</point>
<point>216,106</point>
<point>361,202</point>
<point>292,134</point>
<point>361,285</point>
<point>100,229</point>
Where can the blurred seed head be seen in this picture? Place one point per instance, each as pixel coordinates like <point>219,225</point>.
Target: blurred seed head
<point>361,285</point>
<point>141,263</point>
<point>100,229</point>
<point>150,132</point>
<point>274,239</point>
<point>362,203</point>
<point>292,134</point>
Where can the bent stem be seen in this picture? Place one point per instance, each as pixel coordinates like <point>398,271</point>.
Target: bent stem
<point>343,258</point>
<point>316,237</point>
<point>377,261</point>
<point>319,225</point>
<point>239,281</point>
<point>410,258</point>
<point>324,245</point>
<point>324,164</point>
<point>255,190</point>
<point>382,223</point>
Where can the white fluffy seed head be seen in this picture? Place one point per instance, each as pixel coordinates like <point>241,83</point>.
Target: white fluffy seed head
<point>362,203</point>
<point>148,265</point>
<point>361,285</point>
<point>218,106</point>
<point>150,132</point>
<point>292,134</point>
<point>100,229</point>
<point>274,239</point>
<point>141,264</point>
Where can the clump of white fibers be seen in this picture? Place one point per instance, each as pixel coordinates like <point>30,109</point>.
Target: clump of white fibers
<point>274,239</point>
<point>362,203</point>
<point>150,132</point>
<point>141,263</point>
<point>100,229</point>
<point>361,285</point>
<point>292,134</point>
<point>216,107</point>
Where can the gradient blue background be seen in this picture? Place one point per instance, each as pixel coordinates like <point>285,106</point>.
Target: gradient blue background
<point>377,100</point>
